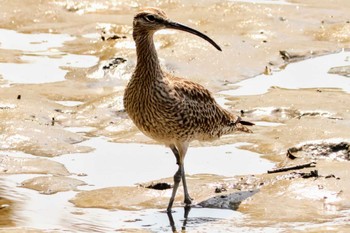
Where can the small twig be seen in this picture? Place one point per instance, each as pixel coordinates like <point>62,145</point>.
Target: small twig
<point>296,167</point>
<point>290,155</point>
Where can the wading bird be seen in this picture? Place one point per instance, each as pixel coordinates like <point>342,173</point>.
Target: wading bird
<point>169,109</point>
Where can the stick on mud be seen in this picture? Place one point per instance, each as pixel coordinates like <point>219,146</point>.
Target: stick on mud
<point>296,167</point>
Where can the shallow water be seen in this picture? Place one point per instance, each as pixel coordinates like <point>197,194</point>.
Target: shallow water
<point>42,61</point>
<point>119,162</point>
<point>62,215</point>
<point>56,99</point>
<point>312,73</point>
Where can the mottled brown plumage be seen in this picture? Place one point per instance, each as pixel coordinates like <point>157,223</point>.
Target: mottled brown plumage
<point>172,110</point>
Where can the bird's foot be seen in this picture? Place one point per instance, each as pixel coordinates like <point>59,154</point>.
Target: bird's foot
<point>188,200</point>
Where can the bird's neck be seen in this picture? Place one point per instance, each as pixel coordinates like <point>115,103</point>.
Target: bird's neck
<point>147,66</point>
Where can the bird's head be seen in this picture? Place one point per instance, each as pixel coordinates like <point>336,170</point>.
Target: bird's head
<point>149,20</point>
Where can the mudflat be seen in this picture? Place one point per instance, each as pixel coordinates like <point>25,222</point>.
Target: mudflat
<point>71,159</point>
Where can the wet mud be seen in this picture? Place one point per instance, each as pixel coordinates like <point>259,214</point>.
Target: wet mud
<point>72,160</point>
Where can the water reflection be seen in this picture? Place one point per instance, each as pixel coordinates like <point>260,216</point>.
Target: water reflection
<point>203,220</point>
<point>184,219</point>
<point>187,210</point>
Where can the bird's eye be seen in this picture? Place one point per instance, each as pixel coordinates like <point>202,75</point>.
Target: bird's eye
<point>150,18</point>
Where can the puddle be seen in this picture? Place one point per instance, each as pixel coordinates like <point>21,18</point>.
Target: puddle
<point>130,163</point>
<point>70,103</point>
<point>85,129</point>
<point>39,42</point>
<point>32,206</point>
<point>41,57</point>
<point>311,73</point>
<point>43,69</point>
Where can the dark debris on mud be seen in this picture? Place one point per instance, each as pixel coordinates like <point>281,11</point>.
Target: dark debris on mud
<point>159,186</point>
<point>114,63</point>
<point>231,195</point>
<point>334,150</point>
<point>108,34</point>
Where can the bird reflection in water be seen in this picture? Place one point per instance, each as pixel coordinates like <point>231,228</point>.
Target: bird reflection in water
<point>187,209</point>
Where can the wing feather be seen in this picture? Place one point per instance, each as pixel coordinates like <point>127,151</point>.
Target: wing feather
<point>201,112</point>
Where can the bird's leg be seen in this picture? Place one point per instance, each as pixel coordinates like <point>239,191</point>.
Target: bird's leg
<point>188,199</point>
<point>180,155</point>
<point>182,149</point>
<point>177,179</point>
<point>176,153</point>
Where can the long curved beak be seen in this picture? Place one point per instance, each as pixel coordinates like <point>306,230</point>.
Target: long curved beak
<point>182,27</point>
